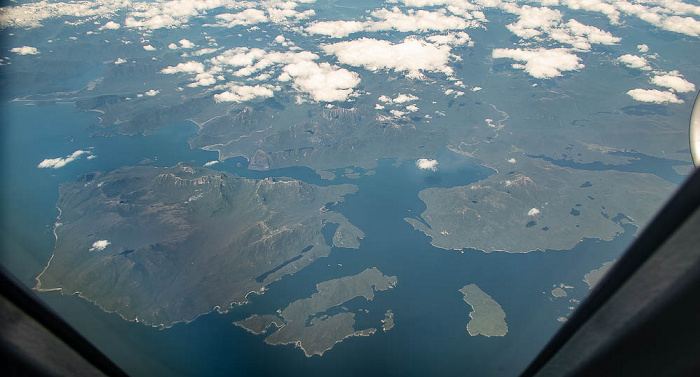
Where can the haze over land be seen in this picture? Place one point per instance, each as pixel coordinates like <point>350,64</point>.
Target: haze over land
<point>526,140</point>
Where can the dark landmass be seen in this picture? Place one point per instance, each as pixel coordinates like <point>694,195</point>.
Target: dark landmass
<point>163,245</point>
<point>304,323</point>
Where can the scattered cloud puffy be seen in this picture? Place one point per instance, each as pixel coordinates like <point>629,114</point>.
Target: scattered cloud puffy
<point>533,212</point>
<point>393,19</point>
<point>323,82</point>
<point>634,61</point>
<point>205,51</point>
<point>25,50</point>
<point>643,48</point>
<point>453,39</point>
<point>244,93</point>
<point>120,61</point>
<point>100,245</point>
<point>188,67</point>
<point>397,113</point>
<point>336,29</point>
<point>247,17</point>
<point>110,25</point>
<point>59,162</point>
<point>403,98</point>
<point>541,63</point>
<point>595,6</point>
<point>674,82</point>
<point>149,48</point>
<point>184,43</point>
<point>417,20</point>
<point>30,15</point>
<point>412,56</point>
<point>427,164</point>
<point>211,163</point>
<point>151,93</point>
<point>654,96</point>
<point>543,22</point>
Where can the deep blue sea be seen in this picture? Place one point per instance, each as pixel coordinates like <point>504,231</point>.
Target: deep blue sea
<point>430,336</point>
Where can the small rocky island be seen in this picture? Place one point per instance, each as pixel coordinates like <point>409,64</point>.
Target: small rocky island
<point>487,316</point>
<point>160,245</point>
<point>304,322</point>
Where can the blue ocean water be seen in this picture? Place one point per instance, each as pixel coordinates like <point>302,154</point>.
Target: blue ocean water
<point>430,336</point>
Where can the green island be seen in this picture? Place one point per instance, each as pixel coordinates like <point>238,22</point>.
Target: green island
<point>593,278</point>
<point>305,323</point>
<point>160,245</point>
<point>537,205</point>
<point>487,316</point>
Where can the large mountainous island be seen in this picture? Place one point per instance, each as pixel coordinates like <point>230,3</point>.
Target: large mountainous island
<point>163,245</point>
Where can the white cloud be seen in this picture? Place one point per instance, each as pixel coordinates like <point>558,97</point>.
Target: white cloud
<point>149,48</point>
<point>185,43</point>
<point>541,63</point>
<point>59,162</point>
<point>29,15</point>
<point>152,93</point>
<point>394,19</point>
<point>100,245</point>
<point>531,20</point>
<point>110,25</point>
<point>403,98</point>
<point>593,34</point>
<point>412,56</point>
<point>654,96</point>
<point>205,51</point>
<point>412,108</point>
<point>595,6</point>
<point>320,81</point>
<point>323,82</point>
<point>417,20</point>
<point>397,113</point>
<point>244,93</point>
<point>284,12</point>
<point>247,17</point>
<point>674,82</point>
<point>454,39</point>
<point>188,67</point>
<point>683,25</point>
<point>634,61</point>
<point>533,212</point>
<point>643,48</point>
<point>119,61</point>
<point>203,79</point>
<point>279,39</point>
<point>427,164</point>
<point>336,29</point>
<point>211,163</point>
<point>173,46</point>
<point>25,50</point>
